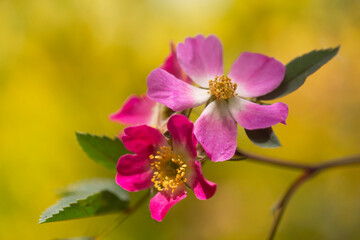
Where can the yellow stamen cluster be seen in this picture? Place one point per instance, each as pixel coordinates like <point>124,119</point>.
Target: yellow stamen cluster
<point>169,170</point>
<point>222,87</point>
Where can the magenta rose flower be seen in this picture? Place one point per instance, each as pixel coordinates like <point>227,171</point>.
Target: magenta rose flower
<point>228,97</point>
<point>166,167</point>
<point>138,110</point>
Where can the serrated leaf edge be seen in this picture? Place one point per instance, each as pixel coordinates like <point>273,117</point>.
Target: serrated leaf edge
<point>61,209</point>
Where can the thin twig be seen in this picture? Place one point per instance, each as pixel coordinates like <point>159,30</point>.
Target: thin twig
<point>307,174</point>
<point>280,207</point>
<point>273,161</point>
<point>289,164</point>
<point>338,162</point>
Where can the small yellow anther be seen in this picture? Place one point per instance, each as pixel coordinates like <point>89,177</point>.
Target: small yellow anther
<point>222,87</point>
<point>169,170</point>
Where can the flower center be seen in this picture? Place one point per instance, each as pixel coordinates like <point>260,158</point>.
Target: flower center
<point>169,170</point>
<point>222,87</point>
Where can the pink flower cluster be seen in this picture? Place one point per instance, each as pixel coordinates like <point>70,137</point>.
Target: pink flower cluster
<point>165,143</point>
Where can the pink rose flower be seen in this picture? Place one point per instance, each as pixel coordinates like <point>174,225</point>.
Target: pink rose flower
<point>166,167</point>
<point>227,96</point>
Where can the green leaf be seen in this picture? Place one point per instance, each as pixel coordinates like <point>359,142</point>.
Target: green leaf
<point>299,69</point>
<point>264,138</point>
<point>88,198</point>
<point>103,150</point>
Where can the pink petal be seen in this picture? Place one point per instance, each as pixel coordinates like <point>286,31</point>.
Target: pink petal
<point>201,58</point>
<point>181,130</point>
<point>174,93</point>
<point>251,116</point>
<point>134,172</point>
<point>143,139</point>
<point>256,74</point>
<point>216,131</point>
<point>171,65</point>
<point>135,111</point>
<point>203,189</point>
<point>162,202</point>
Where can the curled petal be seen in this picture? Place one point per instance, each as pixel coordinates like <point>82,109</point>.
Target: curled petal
<point>134,172</point>
<point>256,74</point>
<point>174,93</point>
<point>216,131</point>
<point>143,139</point>
<point>252,116</point>
<point>203,189</point>
<point>201,58</point>
<point>171,65</point>
<point>135,111</point>
<point>162,202</point>
<point>181,130</point>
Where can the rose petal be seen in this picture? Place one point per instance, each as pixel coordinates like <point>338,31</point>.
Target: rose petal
<point>174,93</point>
<point>171,65</point>
<point>134,172</point>
<point>181,130</point>
<point>162,202</point>
<point>256,74</point>
<point>201,58</point>
<point>135,111</point>
<point>143,139</point>
<point>203,189</point>
<point>251,116</point>
<point>216,131</point>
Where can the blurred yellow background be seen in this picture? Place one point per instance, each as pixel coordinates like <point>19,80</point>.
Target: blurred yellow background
<point>66,65</point>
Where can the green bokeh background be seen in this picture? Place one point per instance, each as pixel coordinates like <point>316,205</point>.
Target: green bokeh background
<point>66,65</point>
